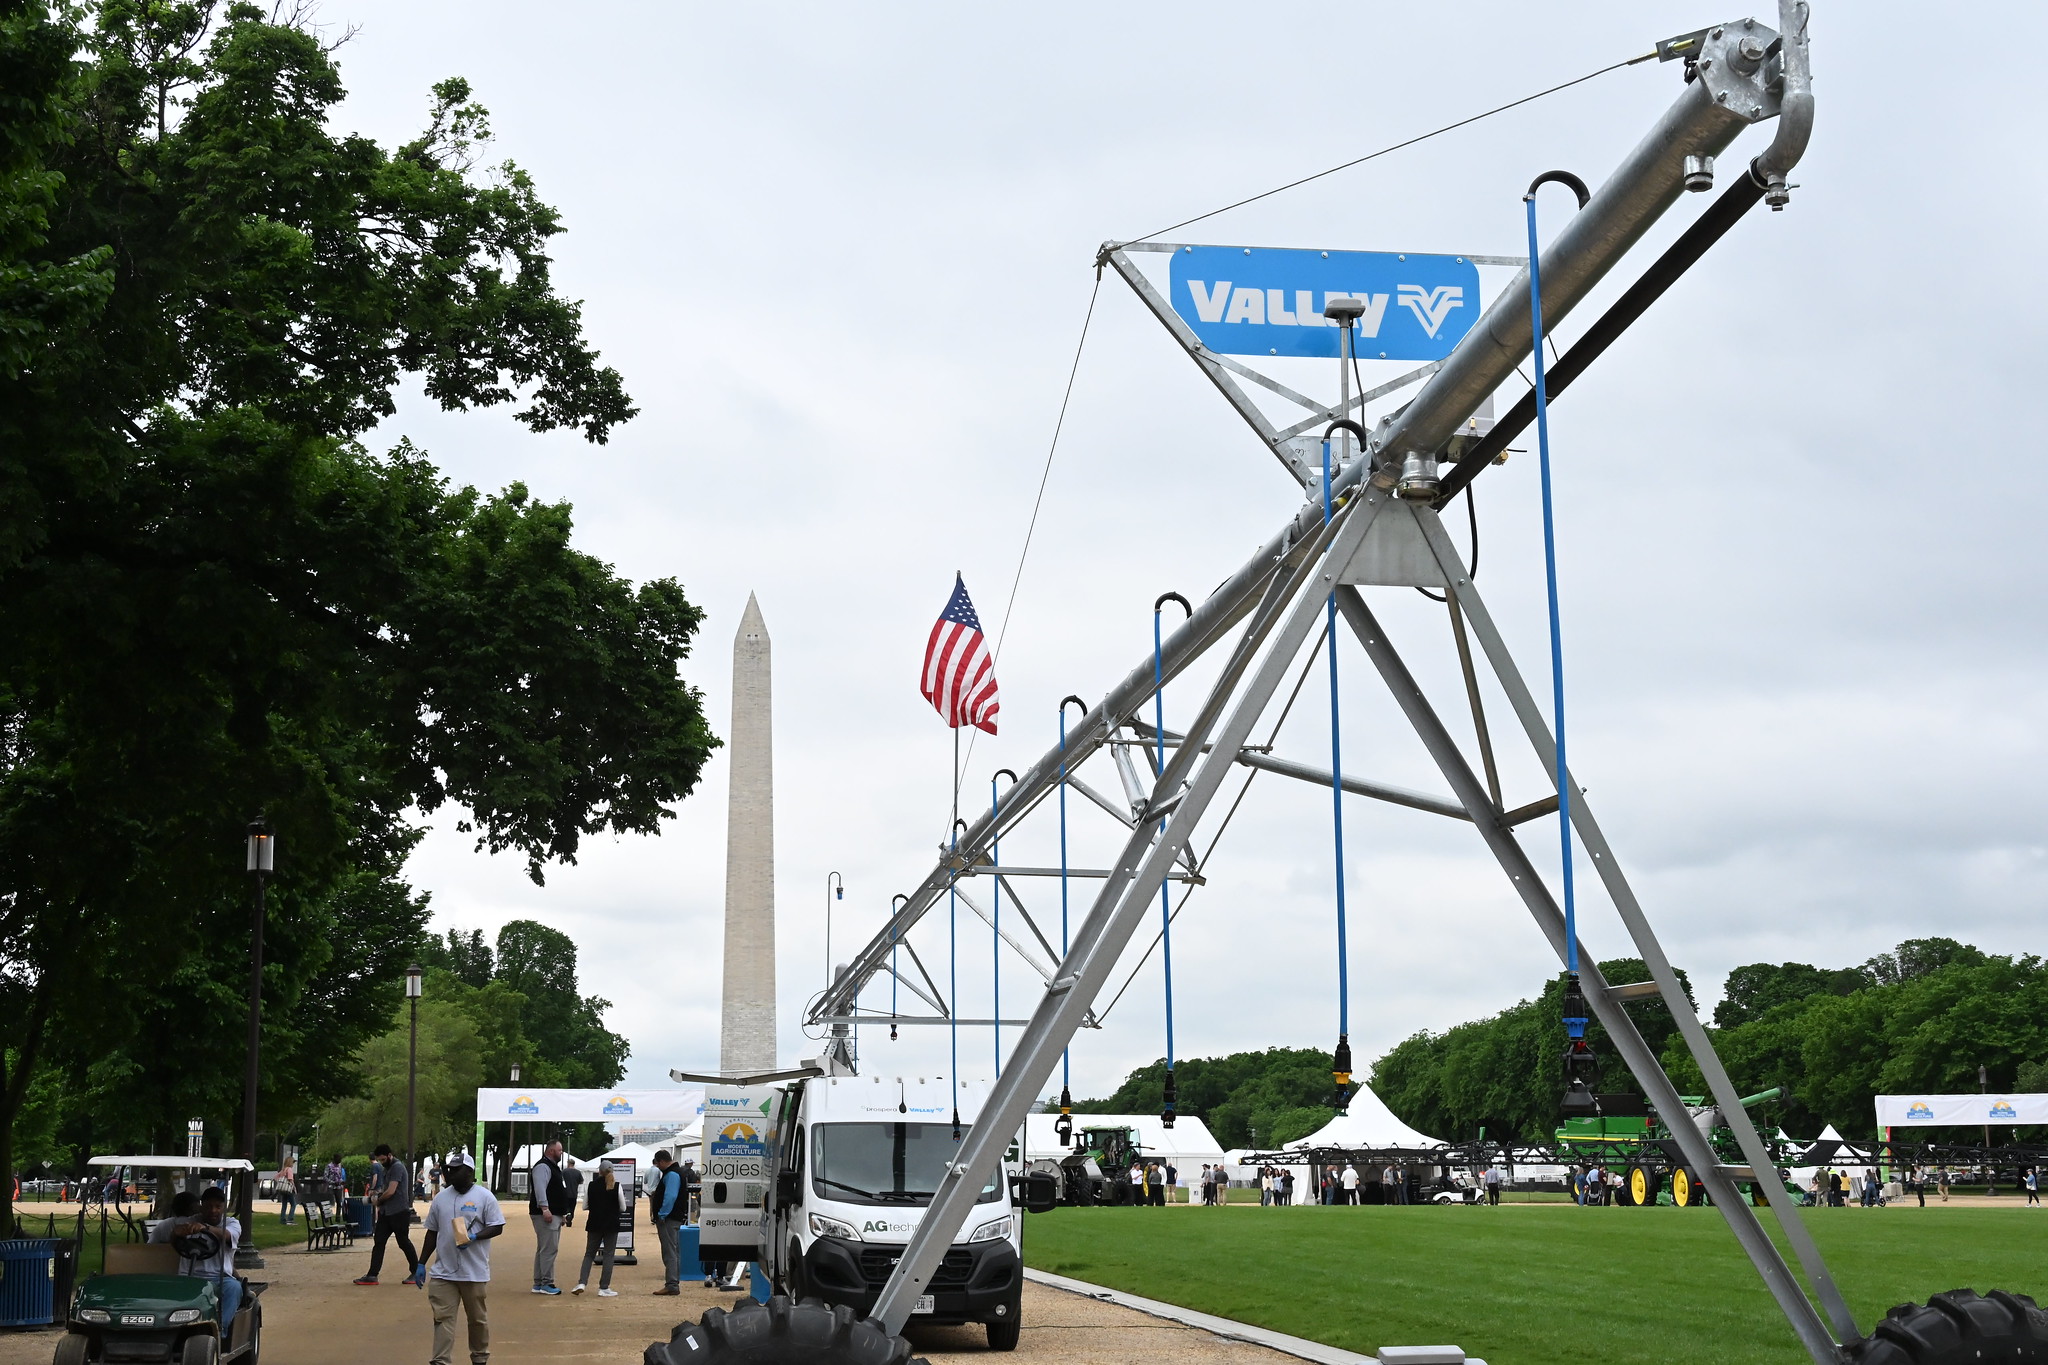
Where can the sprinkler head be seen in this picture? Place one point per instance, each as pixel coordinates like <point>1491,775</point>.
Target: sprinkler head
<point>1166,1114</point>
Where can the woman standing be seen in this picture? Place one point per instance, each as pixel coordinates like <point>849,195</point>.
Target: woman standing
<point>600,1230</point>
<point>287,1199</point>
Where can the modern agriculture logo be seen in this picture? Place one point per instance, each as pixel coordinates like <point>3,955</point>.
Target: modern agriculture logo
<point>523,1105</point>
<point>2003,1110</point>
<point>617,1104</point>
<point>738,1131</point>
<point>1919,1113</point>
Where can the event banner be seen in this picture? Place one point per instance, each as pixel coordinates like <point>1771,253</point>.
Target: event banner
<point>738,1126</point>
<point>1248,300</point>
<point>1959,1111</point>
<point>638,1108</point>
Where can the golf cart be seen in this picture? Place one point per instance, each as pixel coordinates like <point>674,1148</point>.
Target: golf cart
<point>141,1308</point>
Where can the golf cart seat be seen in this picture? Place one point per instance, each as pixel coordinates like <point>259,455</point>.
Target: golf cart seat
<point>142,1258</point>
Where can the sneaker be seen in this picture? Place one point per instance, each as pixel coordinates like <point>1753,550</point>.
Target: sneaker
<point>367,1279</point>
<point>577,1290</point>
<point>605,1293</point>
<point>710,1283</point>
<point>545,1289</point>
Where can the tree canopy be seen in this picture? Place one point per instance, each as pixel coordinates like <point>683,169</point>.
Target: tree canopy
<point>1246,1099</point>
<point>220,603</point>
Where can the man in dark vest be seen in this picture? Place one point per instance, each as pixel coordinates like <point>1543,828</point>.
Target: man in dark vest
<point>549,1201</point>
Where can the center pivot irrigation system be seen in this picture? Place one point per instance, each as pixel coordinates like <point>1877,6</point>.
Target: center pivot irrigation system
<point>1373,518</point>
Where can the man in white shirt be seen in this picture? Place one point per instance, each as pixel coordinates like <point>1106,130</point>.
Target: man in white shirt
<point>210,1224</point>
<point>460,1225</point>
<point>1348,1182</point>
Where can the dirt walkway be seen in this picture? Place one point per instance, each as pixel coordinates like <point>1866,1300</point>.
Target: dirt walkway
<point>312,1315</point>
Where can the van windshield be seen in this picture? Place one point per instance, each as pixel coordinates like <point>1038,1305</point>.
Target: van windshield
<point>886,1163</point>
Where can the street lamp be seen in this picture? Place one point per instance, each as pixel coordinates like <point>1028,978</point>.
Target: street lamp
<point>835,889</point>
<point>511,1146</point>
<point>262,862</point>
<point>412,1069</point>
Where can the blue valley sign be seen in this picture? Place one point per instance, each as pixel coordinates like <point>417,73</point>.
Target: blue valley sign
<point>1270,301</point>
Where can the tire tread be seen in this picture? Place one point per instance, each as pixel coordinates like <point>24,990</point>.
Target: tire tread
<point>810,1332</point>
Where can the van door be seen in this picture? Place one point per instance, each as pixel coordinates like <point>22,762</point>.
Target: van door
<point>783,1216</point>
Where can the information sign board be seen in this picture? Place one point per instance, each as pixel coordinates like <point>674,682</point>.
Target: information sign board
<point>737,1131</point>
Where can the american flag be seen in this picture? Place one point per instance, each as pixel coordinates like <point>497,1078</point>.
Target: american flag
<point>959,677</point>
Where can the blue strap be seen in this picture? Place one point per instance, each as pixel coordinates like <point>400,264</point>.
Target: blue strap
<point>1563,772</point>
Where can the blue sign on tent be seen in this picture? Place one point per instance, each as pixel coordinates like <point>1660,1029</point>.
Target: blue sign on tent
<point>1270,301</point>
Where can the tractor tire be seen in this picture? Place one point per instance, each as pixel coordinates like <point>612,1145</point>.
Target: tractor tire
<point>1686,1190</point>
<point>781,1333</point>
<point>73,1348</point>
<point>1957,1327</point>
<point>1641,1186</point>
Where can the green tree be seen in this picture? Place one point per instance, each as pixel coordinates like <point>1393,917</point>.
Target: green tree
<point>1267,1097</point>
<point>1752,991</point>
<point>450,1067</point>
<point>218,602</point>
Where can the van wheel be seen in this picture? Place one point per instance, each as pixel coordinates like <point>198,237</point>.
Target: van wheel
<point>1002,1336</point>
<point>779,1331</point>
<point>1957,1327</point>
<point>200,1349</point>
<point>73,1349</point>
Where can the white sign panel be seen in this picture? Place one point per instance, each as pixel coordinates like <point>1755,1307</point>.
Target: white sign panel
<point>638,1107</point>
<point>738,1126</point>
<point>1959,1111</point>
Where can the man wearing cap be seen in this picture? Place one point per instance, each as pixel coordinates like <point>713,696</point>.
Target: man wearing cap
<point>460,1225</point>
<point>211,1223</point>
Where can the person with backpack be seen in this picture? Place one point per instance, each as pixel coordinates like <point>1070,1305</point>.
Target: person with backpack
<point>600,1230</point>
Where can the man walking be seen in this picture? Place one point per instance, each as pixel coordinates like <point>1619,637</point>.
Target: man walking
<point>390,1193</point>
<point>461,1222</point>
<point>574,1176</point>
<point>548,1203</point>
<point>671,1205</point>
<point>1347,1185</point>
<point>1493,1185</point>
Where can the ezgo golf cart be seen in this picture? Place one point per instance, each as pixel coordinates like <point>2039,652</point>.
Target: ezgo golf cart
<point>140,1308</point>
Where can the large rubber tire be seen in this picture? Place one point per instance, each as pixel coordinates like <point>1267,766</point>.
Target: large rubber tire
<point>1956,1328</point>
<point>1686,1190</point>
<point>781,1333</point>
<point>73,1348</point>
<point>200,1349</point>
<point>1002,1336</point>
<point>1641,1186</point>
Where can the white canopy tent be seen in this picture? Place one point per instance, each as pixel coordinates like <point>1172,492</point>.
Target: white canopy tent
<point>1368,1123</point>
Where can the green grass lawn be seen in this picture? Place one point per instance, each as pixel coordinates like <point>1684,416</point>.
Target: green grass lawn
<point>1529,1285</point>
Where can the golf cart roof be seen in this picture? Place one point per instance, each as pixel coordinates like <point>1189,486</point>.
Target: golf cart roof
<point>175,1163</point>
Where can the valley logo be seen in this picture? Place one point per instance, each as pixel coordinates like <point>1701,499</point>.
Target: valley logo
<point>1270,301</point>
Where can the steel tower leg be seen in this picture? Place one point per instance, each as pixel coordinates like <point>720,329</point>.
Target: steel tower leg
<point>1124,903</point>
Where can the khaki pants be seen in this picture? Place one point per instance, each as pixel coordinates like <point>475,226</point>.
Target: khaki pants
<point>444,1297</point>
<point>547,1240</point>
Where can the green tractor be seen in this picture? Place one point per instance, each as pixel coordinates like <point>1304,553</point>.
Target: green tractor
<point>1093,1171</point>
<point>148,1303</point>
<point>1628,1133</point>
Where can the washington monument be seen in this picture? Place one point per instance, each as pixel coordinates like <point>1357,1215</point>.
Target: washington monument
<point>746,1042</point>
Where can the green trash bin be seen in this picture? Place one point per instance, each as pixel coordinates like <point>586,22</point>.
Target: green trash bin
<point>27,1281</point>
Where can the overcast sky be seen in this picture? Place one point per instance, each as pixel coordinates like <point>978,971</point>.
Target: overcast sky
<point>842,255</point>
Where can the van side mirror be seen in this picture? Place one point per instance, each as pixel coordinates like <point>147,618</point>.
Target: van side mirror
<point>1039,1192</point>
<point>789,1187</point>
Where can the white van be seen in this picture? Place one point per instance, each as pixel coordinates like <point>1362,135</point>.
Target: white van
<point>853,1162</point>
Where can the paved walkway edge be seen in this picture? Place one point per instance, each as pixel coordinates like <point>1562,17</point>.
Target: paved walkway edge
<point>1208,1322</point>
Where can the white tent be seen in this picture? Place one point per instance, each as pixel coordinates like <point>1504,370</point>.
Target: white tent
<point>1368,1123</point>
<point>1187,1144</point>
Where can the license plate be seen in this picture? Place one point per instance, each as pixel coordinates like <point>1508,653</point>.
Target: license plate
<point>926,1304</point>
<point>137,1319</point>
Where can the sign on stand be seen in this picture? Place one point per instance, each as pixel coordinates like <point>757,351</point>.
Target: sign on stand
<point>626,1170</point>
<point>1241,300</point>
<point>735,1178</point>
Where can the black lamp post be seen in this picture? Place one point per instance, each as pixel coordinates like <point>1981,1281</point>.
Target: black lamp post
<point>412,1070</point>
<point>511,1146</point>
<point>262,862</point>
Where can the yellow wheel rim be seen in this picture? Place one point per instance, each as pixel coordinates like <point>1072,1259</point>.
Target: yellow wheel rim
<point>1681,1189</point>
<point>1639,1186</point>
